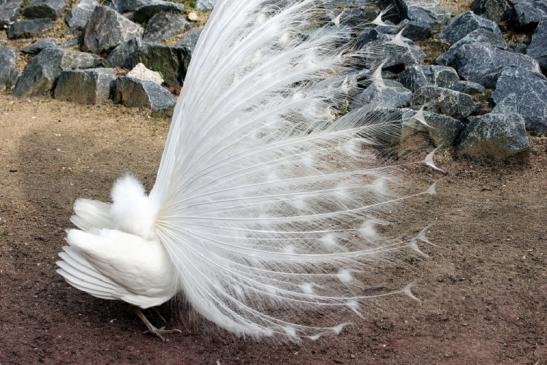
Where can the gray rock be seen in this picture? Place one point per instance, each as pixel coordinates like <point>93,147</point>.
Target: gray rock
<point>477,36</point>
<point>468,87</point>
<point>137,93</point>
<point>394,54</point>
<point>190,39</point>
<point>143,13</point>
<point>205,4</point>
<point>125,6</point>
<point>373,33</point>
<point>443,130</point>
<point>124,54</point>
<point>80,14</point>
<point>8,72</point>
<point>28,28</point>
<point>496,10</point>
<point>525,92</point>
<point>538,46</point>
<point>170,62</point>
<point>91,86</point>
<point>494,136</point>
<point>106,29</point>
<point>389,95</point>
<point>529,12</point>
<point>444,101</point>
<point>44,9</point>
<point>482,63</point>
<point>464,24</point>
<point>40,74</point>
<point>9,10</point>
<point>416,76</point>
<point>165,25</point>
<point>39,45</point>
<point>419,24</point>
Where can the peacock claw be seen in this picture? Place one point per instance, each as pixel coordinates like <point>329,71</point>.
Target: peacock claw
<point>159,332</point>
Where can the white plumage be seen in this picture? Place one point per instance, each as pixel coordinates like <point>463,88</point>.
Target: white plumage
<point>266,202</point>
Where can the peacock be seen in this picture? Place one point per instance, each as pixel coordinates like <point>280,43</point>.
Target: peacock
<point>271,195</point>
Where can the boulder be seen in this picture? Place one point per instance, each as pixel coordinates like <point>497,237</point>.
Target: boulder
<point>8,72</point>
<point>142,73</point>
<point>190,39</point>
<point>90,86</point>
<point>9,10</point>
<point>529,12</point>
<point>477,36</point>
<point>165,25</point>
<point>40,74</point>
<point>170,62</point>
<point>395,54</point>
<point>388,94</point>
<point>494,136</point>
<point>125,6</point>
<point>144,12</point>
<point>205,5</point>
<point>80,14</point>
<point>525,92</point>
<point>464,24</point>
<point>445,101</point>
<point>443,130</point>
<point>468,87</point>
<point>28,28</point>
<point>482,63</point>
<point>419,23</point>
<point>137,93</point>
<point>106,29</point>
<point>44,9</point>
<point>416,76</point>
<point>37,46</point>
<point>123,55</point>
<point>495,10</point>
<point>538,46</point>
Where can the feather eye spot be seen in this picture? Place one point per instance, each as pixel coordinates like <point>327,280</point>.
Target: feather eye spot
<point>345,276</point>
<point>307,288</point>
<point>290,331</point>
<point>329,241</point>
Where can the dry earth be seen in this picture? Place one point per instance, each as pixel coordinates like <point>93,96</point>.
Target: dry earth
<point>484,290</point>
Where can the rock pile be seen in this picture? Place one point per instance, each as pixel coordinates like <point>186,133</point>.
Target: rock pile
<point>481,96</point>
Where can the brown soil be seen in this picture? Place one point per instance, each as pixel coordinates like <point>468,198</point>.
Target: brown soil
<point>484,290</point>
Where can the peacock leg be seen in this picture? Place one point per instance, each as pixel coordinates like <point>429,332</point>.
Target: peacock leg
<point>153,329</point>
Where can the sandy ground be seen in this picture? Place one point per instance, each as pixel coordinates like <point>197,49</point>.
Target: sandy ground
<point>484,290</point>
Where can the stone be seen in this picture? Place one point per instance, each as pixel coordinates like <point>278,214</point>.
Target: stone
<point>125,6</point>
<point>538,46</point>
<point>373,33</point>
<point>143,13</point>
<point>416,76</point>
<point>477,36</point>
<point>464,24</point>
<point>190,39</point>
<point>495,10</point>
<point>137,93</point>
<point>482,63</point>
<point>142,73</point>
<point>106,29</point>
<point>529,12</point>
<point>388,94</point>
<point>80,14</point>
<point>444,101</point>
<point>420,23</point>
<point>123,55</point>
<point>37,46</point>
<point>468,87</point>
<point>170,62</point>
<point>525,92</point>
<point>28,28</point>
<point>8,72</point>
<point>92,86</point>
<point>44,9</point>
<point>40,74</point>
<point>205,5</point>
<point>9,11</point>
<point>494,137</point>
<point>165,25</point>
<point>394,54</point>
<point>443,130</point>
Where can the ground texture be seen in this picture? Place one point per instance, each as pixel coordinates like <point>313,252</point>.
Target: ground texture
<point>484,290</point>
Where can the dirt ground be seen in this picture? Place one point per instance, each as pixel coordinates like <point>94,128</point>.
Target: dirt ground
<point>484,290</point>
